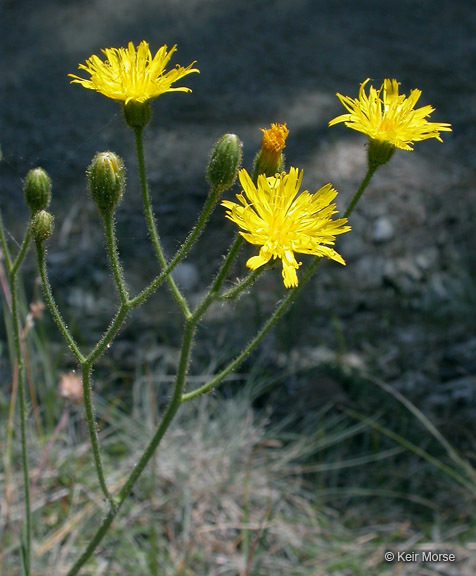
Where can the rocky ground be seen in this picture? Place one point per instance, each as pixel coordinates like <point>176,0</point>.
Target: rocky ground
<point>404,307</point>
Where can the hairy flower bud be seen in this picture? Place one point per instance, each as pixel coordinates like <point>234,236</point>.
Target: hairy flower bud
<point>106,180</point>
<point>41,225</point>
<point>225,161</point>
<point>37,189</point>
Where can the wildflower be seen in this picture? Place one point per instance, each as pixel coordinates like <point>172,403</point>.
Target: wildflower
<point>269,159</point>
<point>274,138</point>
<point>272,216</point>
<point>129,75</point>
<point>389,117</point>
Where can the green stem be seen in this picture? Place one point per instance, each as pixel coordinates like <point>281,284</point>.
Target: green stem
<point>3,240</point>
<point>152,287</point>
<point>197,229</point>
<point>213,291</point>
<point>181,252</point>
<point>187,341</point>
<point>113,253</point>
<point>190,327</point>
<point>13,269</point>
<point>21,254</point>
<point>225,267</point>
<point>169,414</point>
<point>50,301</point>
<point>149,451</point>
<point>86,370</point>
<point>234,291</point>
<point>278,312</point>
<point>370,172</point>
<point>23,416</point>
<point>109,334</point>
<point>149,215</point>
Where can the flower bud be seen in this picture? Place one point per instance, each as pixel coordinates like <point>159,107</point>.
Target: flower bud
<point>379,152</point>
<point>106,180</point>
<point>225,161</point>
<point>137,114</point>
<point>269,159</point>
<point>41,225</point>
<point>37,189</point>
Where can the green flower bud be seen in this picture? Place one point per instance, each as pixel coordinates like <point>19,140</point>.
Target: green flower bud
<point>137,114</point>
<point>106,180</point>
<point>37,189</point>
<point>379,152</point>
<point>41,225</point>
<point>225,161</point>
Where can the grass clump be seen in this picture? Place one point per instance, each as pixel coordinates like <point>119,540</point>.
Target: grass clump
<point>231,492</point>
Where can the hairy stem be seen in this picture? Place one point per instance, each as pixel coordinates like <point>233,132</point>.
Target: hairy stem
<point>3,240</point>
<point>241,285</point>
<point>191,323</point>
<point>51,303</point>
<point>370,172</point>
<point>23,418</point>
<point>151,225</point>
<point>113,253</point>
<point>279,311</point>
<point>270,323</point>
<point>147,454</point>
<point>13,269</point>
<point>86,370</point>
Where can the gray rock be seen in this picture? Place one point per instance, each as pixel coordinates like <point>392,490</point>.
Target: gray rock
<point>427,259</point>
<point>383,230</point>
<point>403,274</point>
<point>369,270</point>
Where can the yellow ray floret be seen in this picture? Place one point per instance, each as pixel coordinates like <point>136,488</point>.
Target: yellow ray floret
<point>128,74</point>
<point>388,116</point>
<point>272,215</point>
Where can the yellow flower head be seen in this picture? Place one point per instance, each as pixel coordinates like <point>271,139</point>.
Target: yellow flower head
<point>129,75</point>
<point>272,216</point>
<point>387,116</point>
<point>274,138</point>
<point>270,158</point>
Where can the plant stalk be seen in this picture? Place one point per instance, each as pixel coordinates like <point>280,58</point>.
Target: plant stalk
<point>151,225</point>
<point>86,370</point>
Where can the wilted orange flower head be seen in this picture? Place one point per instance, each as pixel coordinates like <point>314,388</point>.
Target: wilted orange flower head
<point>274,138</point>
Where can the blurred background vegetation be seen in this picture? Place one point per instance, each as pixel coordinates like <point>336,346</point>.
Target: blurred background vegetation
<point>307,461</point>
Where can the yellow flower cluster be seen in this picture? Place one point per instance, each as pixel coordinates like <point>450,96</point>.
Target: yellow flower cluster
<point>272,215</point>
<point>129,75</point>
<point>387,116</point>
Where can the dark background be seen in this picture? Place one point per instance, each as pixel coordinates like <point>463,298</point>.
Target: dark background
<point>403,308</point>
